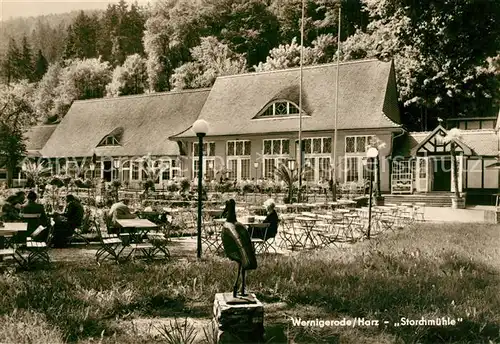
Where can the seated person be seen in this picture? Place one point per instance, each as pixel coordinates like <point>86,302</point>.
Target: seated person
<point>32,207</point>
<point>12,206</point>
<point>65,224</point>
<point>118,210</point>
<point>271,218</point>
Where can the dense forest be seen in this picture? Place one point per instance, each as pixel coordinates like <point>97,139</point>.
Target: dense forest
<point>446,52</point>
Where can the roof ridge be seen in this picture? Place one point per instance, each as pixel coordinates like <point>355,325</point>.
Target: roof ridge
<point>144,95</point>
<point>316,66</point>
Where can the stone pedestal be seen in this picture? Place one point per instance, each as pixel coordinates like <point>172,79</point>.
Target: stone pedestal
<point>238,323</point>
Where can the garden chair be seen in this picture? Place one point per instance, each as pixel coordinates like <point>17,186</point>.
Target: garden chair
<point>260,245</point>
<point>109,244</point>
<point>85,227</point>
<point>211,235</point>
<point>38,250</point>
<point>291,233</point>
<point>160,242</point>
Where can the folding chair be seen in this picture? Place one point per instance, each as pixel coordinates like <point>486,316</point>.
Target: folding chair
<point>160,242</point>
<point>211,235</point>
<point>38,251</point>
<point>109,244</point>
<point>259,243</point>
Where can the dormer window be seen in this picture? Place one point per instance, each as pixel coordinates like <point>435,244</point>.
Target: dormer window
<point>109,141</point>
<point>280,108</point>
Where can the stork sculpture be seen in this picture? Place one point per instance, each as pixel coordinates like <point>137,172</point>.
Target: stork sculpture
<point>238,247</point>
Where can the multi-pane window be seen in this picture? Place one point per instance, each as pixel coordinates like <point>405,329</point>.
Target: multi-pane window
<point>277,147</point>
<point>276,152</point>
<point>109,141</point>
<point>126,171</point>
<point>208,168</point>
<point>317,145</point>
<point>238,148</point>
<point>208,149</point>
<point>281,109</point>
<point>135,170</point>
<point>238,161</point>
<point>357,144</point>
<point>351,168</point>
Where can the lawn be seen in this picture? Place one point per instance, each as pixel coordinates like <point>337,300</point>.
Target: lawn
<point>427,271</point>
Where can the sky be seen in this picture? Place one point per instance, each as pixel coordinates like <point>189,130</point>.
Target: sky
<point>28,8</point>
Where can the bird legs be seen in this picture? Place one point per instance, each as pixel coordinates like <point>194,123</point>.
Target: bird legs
<point>242,298</point>
<point>243,283</point>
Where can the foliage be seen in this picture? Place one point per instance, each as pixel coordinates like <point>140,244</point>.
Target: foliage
<point>440,62</point>
<point>248,26</point>
<point>81,40</point>
<point>81,79</point>
<point>34,172</point>
<point>178,333</point>
<point>170,31</point>
<point>41,66</point>
<point>289,177</point>
<point>288,55</point>
<point>131,78</point>
<point>16,114</point>
<point>211,59</point>
<point>45,93</point>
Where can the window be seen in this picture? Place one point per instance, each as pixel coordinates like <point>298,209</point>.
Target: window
<point>282,108</point>
<point>208,149</point>
<point>238,162</point>
<point>357,144</point>
<point>351,168</point>
<point>208,168</point>
<point>276,152</point>
<point>277,147</point>
<point>238,148</point>
<point>317,145</point>
<point>126,171</point>
<point>135,170</point>
<point>109,141</point>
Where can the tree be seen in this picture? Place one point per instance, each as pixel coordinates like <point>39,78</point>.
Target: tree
<point>440,50</point>
<point>211,59</point>
<point>45,94</point>
<point>26,61</point>
<point>131,78</point>
<point>246,26</point>
<point>171,30</point>
<point>288,56</point>
<point>16,114</point>
<point>41,66</point>
<point>82,37</point>
<point>12,63</point>
<point>81,79</point>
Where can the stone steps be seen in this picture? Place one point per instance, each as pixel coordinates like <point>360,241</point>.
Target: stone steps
<point>432,200</point>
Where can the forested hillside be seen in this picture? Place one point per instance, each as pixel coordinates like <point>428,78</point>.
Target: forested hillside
<point>446,52</point>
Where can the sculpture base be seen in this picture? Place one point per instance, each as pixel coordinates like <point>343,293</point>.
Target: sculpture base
<point>239,299</point>
<point>239,322</point>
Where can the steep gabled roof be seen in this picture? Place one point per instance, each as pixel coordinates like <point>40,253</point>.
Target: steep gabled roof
<point>147,122</point>
<point>37,137</point>
<point>482,142</point>
<point>364,92</point>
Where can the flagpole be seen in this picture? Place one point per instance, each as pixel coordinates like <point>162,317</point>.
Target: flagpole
<point>334,172</point>
<point>300,98</point>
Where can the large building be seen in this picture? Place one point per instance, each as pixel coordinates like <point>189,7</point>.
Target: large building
<point>254,125</point>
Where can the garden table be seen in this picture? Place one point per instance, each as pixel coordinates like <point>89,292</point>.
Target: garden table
<point>7,231</point>
<point>308,224</point>
<point>138,228</point>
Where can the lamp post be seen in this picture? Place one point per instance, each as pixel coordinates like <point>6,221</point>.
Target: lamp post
<point>116,165</point>
<point>291,167</point>
<point>200,127</point>
<point>371,154</point>
<point>256,166</point>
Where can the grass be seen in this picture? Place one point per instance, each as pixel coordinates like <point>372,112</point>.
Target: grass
<point>431,271</point>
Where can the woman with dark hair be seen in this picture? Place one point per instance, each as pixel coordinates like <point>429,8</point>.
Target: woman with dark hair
<point>32,207</point>
<point>65,224</point>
